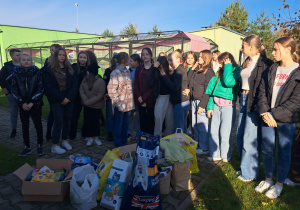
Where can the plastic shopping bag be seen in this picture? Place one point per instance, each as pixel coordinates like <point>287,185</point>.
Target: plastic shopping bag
<point>104,167</point>
<point>83,187</point>
<point>189,144</point>
<point>143,191</point>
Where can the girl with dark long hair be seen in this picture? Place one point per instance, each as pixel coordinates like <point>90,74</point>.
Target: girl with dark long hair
<point>144,83</point>
<point>163,110</point>
<point>60,84</point>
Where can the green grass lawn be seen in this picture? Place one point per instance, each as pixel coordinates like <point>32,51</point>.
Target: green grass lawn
<point>10,160</point>
<point>223,190</point>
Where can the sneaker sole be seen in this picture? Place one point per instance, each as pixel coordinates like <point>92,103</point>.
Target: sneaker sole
<point>25,154</point>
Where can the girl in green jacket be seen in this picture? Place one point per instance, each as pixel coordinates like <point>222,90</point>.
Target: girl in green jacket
<point>223,91</point>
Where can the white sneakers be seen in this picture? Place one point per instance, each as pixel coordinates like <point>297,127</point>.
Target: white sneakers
<point>91,140</point>
<point>201,151</point>
<point>97,141</point>
<point>66,145</point>
<point>263,186</point>
<point>57,150</point>
<point>214,159</point>
<point>272,191</point>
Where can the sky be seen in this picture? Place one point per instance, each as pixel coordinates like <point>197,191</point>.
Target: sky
<point>97,15</point>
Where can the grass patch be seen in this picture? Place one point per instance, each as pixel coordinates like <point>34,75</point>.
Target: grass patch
<point>223,190</point>
<point>10,160</point>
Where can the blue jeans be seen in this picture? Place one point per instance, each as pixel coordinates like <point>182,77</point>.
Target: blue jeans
<point>221,125</point>
<point>284,135</point>
<point>109,123</point>
<point>200,126</point>
<point>180,114</point>
<point>13,110</point>
<point>121,120</point>
<point>249,140</point>
<point>62,121</point>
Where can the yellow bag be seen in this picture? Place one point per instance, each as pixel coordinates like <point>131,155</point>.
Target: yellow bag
<point>189,144</point>
<point>104,167</point>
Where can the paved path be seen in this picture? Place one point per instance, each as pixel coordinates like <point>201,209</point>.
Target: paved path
<point>10,185</point>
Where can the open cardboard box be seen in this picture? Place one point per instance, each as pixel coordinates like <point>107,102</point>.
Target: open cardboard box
<point>45,191</point>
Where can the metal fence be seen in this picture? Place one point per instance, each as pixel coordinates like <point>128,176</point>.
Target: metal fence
<point>104,47</point>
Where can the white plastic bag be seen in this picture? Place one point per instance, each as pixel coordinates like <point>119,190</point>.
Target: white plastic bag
<point>83,187</point>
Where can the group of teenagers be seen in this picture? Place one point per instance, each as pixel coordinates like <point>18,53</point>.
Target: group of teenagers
<point>158,97</point>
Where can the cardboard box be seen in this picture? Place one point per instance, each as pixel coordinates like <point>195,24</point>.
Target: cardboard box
<point>164,184</point>
<point>131,148</point>
<point>45,191</point>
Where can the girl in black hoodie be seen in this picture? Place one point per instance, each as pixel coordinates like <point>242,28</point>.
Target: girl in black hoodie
<point>81,68</point>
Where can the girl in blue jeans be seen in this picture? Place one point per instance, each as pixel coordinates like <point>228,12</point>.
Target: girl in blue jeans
<point>223,91</point>
<point>279,106</point>
<point>248,132</point>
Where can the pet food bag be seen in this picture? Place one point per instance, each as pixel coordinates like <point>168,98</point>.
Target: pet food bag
<point>189,144</point>
<point>83,187</point>
<point>116,184</point>
<point>104,167</point>
<point>143,191</point>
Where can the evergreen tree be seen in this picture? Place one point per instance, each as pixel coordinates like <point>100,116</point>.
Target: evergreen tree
<point>107,32</point>
<point>262,26</point>
<point>154,30</point>
<point>235,17</point>
<point>129,30</point>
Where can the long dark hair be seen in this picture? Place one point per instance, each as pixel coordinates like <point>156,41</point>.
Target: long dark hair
<point>92,56</point>
<point>165,64</point>
<point>222,57</point>
<point>149,51</point>
<point>87,62</point>
<point>137,58</point>
<point>55,64</point>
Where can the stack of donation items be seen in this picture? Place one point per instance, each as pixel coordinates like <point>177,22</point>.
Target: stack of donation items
<point>129,177</point>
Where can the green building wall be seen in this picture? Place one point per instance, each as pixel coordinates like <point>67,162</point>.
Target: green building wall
<point>11,35</point>
<point>226,39</point>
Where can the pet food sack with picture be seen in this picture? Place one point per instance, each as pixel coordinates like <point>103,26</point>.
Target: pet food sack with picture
<point>115,184</point>
<point>104,167</point>
<point>143,191</point>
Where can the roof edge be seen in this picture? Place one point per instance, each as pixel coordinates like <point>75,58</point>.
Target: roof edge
<point>47,29</point>
<point>215,27</point>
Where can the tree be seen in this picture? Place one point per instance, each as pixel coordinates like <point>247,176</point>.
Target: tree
<point>129,30</point>
<point>262,26</point>
<point>288,21</point>
<point>154,30</point>
<point>107,32</point>
<point>235,17</point>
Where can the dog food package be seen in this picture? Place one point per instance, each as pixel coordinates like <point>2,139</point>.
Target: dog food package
<point>115,185</point>
<point>143,191</point>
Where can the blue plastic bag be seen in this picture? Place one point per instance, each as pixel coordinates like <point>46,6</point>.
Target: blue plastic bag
<point>143,191</point>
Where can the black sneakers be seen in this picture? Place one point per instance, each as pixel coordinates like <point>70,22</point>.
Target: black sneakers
<point>13,134</point>
<point>26,151</point>
<point>40,151</point>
